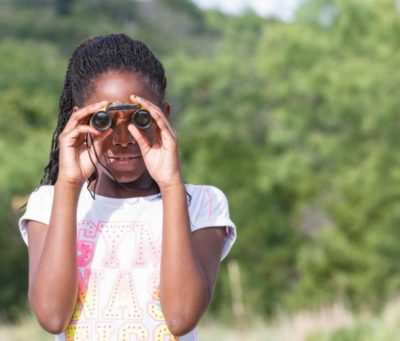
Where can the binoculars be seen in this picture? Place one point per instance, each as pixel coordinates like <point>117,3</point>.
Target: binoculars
<point>102,120</point>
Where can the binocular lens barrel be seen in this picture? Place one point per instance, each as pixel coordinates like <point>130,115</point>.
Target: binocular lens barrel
<point>101,120</point>
<point>141,119</point>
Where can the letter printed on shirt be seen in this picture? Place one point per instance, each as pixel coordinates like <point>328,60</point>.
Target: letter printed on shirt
<point>123,302</point>
<point>148,248</point>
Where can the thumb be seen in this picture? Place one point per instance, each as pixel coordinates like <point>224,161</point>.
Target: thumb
<point>94,144</point>
<point>98,140</point>
<point>140,137</point>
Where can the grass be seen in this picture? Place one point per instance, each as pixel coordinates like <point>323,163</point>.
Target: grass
<point>27,329</point>
<point>333,323</point>
<point>299,327</point>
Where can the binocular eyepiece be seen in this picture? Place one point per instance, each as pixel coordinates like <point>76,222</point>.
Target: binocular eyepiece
<point>102,120</point>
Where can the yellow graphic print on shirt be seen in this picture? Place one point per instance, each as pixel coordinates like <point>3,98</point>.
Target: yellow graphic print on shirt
<point>118,281</point>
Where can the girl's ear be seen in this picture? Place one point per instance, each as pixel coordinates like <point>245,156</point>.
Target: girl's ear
<point>75,108</point>
<point>166,109</point>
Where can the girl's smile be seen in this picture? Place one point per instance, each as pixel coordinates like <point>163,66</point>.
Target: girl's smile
<point>123,161</point>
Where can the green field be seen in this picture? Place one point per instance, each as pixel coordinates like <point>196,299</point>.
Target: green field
<point>328,324</point>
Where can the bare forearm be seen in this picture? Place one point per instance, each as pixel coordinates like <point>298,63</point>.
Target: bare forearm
<point>53,288</point>
<point>183,288</point>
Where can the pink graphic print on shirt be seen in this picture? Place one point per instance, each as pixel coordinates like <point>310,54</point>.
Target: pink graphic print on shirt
<point>118,297</point>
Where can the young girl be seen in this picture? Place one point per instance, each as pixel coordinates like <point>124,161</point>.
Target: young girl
<point>134,253</point>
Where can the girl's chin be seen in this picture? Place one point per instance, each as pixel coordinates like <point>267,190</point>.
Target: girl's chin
<point>125,179</point>
<point>124,173</point>
<point>129,178</point>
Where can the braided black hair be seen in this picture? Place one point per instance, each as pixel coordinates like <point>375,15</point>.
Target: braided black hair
<point>93,57</point>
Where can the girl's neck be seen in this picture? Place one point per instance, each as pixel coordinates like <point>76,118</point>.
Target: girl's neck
<point>142,187</point>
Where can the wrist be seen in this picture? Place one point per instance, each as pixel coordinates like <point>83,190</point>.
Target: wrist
<point>66,184</point>
<point>172,186</point>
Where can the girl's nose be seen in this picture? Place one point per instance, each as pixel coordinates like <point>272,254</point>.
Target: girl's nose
<point>121,134</point>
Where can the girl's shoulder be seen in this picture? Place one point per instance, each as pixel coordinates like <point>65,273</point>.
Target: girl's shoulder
<point>198,192</point>
<point>38,208</point>
<point>206,201</point>
<point>41,189</point>
<point>40,196</point>
<point>206,198</point>
<point>208,207</point>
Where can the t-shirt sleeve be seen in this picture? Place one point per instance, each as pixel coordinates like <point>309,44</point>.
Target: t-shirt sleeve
<point>38,208</point>
<point>209,207</point>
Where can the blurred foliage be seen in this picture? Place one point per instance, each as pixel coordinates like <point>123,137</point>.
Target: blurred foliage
<point>297,122</point>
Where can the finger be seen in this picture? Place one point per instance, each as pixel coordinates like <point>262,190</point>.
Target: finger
<point>88,110</point>
<point>92,150</point>
<point>155,111</point>
<point>167,133</point>
<point>79,115</point>
<point>142,101</point>
<point>79,131</point>
<point>140,137</point>
<point>99,140</point>
<point>145,104</point>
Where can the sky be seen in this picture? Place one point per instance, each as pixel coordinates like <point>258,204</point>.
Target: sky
<point>281,8</point>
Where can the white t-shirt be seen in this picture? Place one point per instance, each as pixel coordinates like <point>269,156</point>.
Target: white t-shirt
<point>119,252</point>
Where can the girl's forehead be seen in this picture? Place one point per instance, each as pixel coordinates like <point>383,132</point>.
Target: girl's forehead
<point>118,86</point>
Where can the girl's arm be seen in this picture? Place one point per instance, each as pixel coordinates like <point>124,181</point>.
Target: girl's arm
<point>189,263</point>
<point>52,248</point>
<point>52,261</point>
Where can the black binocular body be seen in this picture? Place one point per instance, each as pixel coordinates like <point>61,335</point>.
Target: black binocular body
<point>102,119</point>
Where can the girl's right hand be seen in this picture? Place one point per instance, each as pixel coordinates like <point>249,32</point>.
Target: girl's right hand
<point>75,163</point>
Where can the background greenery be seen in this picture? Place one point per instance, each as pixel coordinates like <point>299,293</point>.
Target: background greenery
<point>297,122</point>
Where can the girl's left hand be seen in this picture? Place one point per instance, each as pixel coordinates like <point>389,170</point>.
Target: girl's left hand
<point>158,145</point>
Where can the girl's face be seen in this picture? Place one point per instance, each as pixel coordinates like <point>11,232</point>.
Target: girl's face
<point>120,153</point>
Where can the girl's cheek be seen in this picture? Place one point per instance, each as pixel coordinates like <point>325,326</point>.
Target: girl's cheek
<point>107,143</point>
